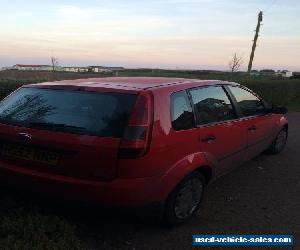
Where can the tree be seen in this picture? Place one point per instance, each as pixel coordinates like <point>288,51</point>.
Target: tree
<point>54,63</point>
<point>235,63</point>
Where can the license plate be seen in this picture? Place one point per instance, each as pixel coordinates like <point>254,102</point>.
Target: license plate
<point>30,154</point>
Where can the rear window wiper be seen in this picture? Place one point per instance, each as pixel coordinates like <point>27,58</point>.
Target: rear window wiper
<point>56,126</point>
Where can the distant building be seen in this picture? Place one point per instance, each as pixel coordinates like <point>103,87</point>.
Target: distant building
<point>296,74</point>
<point>76,69</point>
<point>97,69</point>
<point>284,73</point>
<point>267,72</point>
<point>116,68</point>
<point>254,73</point>
<point>32,67</point>
<point>271,72</point>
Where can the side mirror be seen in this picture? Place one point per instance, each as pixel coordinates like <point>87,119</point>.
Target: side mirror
<point>278,110</point>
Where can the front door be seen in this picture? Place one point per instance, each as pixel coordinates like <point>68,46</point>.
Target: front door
<point>256,122</point>
<point>219,131</point>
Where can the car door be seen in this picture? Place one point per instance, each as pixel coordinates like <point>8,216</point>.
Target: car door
<point>256,121</point>
<point>218,128</point>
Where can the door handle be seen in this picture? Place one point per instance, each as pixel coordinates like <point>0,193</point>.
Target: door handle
<point>208,138</point>
<point>252,128</point>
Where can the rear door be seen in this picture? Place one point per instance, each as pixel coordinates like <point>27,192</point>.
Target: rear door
<point>218,127</point>
<point>68,132</point>
<point>256,121</point>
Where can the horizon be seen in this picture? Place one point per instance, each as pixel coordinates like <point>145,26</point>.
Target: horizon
<point>141,68</point>
<point>150,35</point>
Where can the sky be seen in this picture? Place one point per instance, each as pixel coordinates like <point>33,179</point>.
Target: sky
<point>183,34</point>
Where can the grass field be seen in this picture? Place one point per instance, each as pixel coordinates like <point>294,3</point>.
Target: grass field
<point>274,90</point>
<point>278,91</point>
<point>25,225</point>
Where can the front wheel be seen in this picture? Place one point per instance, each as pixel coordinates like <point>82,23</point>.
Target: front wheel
<point>185,199</point>
<point>279,143</point>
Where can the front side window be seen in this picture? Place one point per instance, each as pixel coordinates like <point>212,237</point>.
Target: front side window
<point>249,104</point>
<point>79,112</point>
<point>181,111</point>
<point>211,104</point>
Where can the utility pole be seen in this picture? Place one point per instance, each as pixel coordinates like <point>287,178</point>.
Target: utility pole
<point>260,18</point>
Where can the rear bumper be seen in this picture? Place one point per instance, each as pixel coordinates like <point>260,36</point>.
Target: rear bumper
<point>120,192</point>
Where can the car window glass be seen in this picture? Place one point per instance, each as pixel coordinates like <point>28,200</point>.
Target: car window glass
<point>83,112</point>
<point>211,105</point>
<point>181,111</point>
<point>249,104</point>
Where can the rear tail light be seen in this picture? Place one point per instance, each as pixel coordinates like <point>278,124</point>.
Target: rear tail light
<point>136,138</point>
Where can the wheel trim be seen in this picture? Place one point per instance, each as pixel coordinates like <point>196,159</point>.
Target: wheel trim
<point>188,198</point>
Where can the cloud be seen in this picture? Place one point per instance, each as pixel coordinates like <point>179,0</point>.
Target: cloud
<point>149,34</point>
<point>205,52</point>
<point>75,11</point>
<point>185,1</point>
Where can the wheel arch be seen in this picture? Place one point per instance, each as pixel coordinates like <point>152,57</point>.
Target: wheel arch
<point>194,163</point>
<point>206,171</point>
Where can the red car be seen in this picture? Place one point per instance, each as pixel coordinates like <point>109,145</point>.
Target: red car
<point>133,141</point>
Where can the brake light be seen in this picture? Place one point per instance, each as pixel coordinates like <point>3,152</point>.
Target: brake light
<point>136,138</point>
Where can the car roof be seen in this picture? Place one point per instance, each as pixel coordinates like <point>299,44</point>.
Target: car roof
<point>129,83</point>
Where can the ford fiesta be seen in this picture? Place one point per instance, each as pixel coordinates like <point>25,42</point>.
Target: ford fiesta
<point>133,141</point>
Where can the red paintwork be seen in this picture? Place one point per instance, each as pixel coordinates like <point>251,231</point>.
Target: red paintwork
<point>97,174</point>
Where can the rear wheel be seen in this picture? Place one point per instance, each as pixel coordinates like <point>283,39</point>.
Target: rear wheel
<point>279,143</point>
<point>185,199</point>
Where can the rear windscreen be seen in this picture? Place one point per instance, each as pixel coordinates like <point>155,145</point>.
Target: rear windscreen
<point>79,112</point>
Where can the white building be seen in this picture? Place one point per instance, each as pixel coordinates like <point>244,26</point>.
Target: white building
<point>76,69</point>
<point>285,73</point>
<point>98,69</point>
<point>32,67</point>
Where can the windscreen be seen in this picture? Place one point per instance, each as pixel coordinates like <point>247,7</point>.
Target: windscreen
<point>80,112</point>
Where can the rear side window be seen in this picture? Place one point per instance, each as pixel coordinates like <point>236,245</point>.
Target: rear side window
<point>79,112</point>
<point>211,104</point>
<point>181,111</point>
<point>249,104</point>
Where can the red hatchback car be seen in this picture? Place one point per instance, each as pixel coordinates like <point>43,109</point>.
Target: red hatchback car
<point>133,141</point>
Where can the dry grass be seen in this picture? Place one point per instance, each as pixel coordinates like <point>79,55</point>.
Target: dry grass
<point>25,226</point>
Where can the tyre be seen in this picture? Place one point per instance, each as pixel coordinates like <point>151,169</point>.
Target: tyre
<point>279,143</point>
<point>185,199</point>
